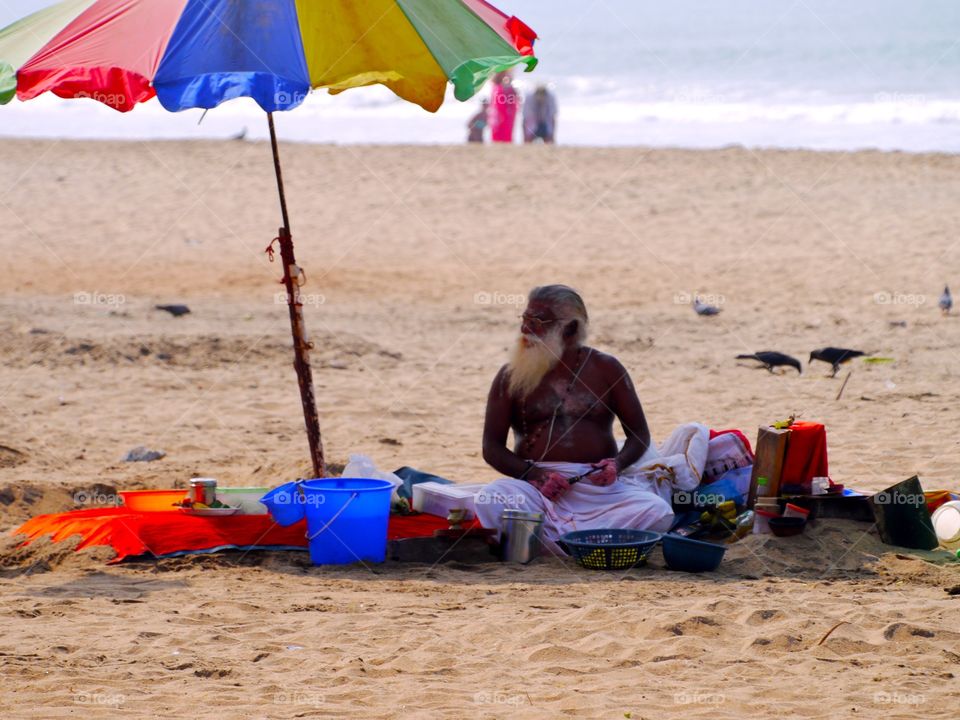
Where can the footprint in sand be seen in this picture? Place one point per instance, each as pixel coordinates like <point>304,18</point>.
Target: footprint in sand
<point>778,643</point>
<point>552,653</point>
<point>847,638</point>
<point>904,632</point>
<point>761,617</point>
<point>698,626</point>
<point>10,457</point>
<point>724,607</point>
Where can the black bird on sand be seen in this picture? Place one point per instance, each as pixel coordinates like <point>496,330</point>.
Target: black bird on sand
<point>835,356</point>
<point>770,359</point>
<point>175,310</point>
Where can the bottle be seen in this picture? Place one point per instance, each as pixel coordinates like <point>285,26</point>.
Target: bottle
<point>763,487</point>
<point>743,525</point>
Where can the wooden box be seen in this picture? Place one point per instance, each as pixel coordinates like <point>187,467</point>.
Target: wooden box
<point>770,452</point>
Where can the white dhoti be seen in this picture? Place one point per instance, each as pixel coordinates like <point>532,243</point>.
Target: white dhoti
<point>640,499</point>
<point>583,507</point>
<point>674,466</point>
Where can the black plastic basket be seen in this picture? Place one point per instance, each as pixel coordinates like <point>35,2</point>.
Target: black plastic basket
<point>610,549</point>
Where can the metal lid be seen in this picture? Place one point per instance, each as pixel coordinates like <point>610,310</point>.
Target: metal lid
<point>206,482</point>
<point>512,514</point>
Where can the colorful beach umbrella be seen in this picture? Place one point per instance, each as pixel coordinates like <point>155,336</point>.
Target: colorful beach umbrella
<point>200,53</point>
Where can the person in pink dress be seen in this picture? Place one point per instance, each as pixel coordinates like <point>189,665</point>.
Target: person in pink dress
<point>503,108</point>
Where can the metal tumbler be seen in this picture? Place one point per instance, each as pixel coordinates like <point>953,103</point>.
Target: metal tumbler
<point>203,490</point>
<point>520,535</point>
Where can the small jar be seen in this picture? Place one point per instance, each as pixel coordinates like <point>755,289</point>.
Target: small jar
<point>203,490</point>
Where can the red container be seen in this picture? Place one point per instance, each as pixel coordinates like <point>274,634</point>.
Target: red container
<point>152,500</point>
<point>796,511</point>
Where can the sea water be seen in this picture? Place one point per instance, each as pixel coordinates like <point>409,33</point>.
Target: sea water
<point>816,74</point>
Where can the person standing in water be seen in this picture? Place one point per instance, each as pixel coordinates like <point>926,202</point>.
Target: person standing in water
<point>478,123</point>
<point>540,117</point>
<point>503,113</point>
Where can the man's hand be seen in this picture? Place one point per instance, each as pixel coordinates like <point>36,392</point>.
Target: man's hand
<point>550,484</point>
<point>606,473</point>
<point>554,487</point>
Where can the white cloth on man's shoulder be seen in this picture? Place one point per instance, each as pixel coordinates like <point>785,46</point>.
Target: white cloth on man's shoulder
<point>583,507</point>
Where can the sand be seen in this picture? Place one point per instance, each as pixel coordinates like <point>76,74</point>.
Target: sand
<point>417,261</point>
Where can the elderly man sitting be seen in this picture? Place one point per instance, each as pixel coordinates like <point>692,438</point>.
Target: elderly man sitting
<point>560,397</point>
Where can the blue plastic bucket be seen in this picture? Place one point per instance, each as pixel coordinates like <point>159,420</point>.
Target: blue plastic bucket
<point>347,519</point>
<point>285,503</point>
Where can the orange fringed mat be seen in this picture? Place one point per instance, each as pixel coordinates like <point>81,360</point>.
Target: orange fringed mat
<point>170,533</point>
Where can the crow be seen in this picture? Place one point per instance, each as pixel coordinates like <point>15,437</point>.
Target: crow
<point>771,359</point>
<point>835,356</point>
<point>946,301</point>
<point>175,310</point>
<point>701,308</point>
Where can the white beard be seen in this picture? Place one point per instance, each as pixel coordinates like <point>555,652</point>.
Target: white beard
<point>532,358</point>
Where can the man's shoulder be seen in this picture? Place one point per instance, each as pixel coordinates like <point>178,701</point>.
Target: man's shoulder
<point>611,369</point>
<point>499,385</point>
<point>605,361</point>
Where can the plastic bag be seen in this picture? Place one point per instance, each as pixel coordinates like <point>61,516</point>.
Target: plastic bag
<point>732,485</point>
<point>362,466</point>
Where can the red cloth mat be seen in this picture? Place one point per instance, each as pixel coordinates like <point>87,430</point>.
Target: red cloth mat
<point>168,533</point>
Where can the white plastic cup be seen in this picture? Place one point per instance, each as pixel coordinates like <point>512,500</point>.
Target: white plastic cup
<point>761,520</point>
<point>796,511</point>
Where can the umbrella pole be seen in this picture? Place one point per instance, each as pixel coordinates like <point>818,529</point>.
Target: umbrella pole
<point>292,280</point>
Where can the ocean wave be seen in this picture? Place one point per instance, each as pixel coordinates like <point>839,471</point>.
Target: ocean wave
<point>698,119</point>
<point>880,112</point>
